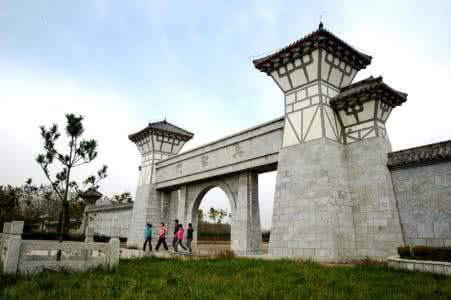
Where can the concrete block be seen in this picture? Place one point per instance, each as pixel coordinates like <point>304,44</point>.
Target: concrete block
<point>435,242</point>
<point>428,268</point>
<point>7,227</point>
<point>11,258</point>
<point>16,227</point>
<point>439,269</point>
<point>114,252</point>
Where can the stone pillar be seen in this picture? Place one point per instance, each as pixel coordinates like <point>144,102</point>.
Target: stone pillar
<point>246,228</point>
<point>333,145</point>
<point>13,245</point>
<point>363,110</point>
<point>312,214</point>
<point>114,252</point>
<point>182,206</point>
<point>146,209</point>
<point>90,228</point>
<point>84,222</point>
<point>377,225</point>
<point>158,141</point>
<point>165,217</point>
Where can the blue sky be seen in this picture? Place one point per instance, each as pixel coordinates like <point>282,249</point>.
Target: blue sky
<point>122,64</point>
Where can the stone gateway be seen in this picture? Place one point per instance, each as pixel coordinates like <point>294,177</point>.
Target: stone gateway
<point>336,197</point>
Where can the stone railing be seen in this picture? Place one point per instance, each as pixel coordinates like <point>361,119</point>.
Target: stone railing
<point>29,256</point>
<point>438,267</point>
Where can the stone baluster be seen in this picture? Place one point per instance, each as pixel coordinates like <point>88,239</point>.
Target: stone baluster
<point>114,247</point>
<point>12,246</point>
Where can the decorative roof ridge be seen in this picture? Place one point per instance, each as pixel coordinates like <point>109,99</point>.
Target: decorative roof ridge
<point>178,127</point>
<point>320,32</point>
<point>366,85</point>
<point>110,206</point>
<point>92,192</point>
<point>421,155</point>
<point>183,133</point>
<point>369,79</point>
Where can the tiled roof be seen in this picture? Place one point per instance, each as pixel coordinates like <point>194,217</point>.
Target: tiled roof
<point>111,206</point>
<point>166,126</point>
<point>367,89</point>
<point>91,193</point>
<point>163,127</point>
<point>428,154</point>
<point>320,38</point>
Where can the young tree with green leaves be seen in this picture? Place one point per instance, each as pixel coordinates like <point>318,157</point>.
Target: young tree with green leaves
<point>221,214</point>
<point>212,214</point>
<point>217,215</point>
<point>200,215</point>
<point>80,152</point>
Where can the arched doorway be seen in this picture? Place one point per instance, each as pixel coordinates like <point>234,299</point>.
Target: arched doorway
<point>213,230</point>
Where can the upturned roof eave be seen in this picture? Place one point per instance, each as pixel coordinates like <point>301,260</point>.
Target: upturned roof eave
<point>312,38</point>
<point>184,135</point>
<point>372,84</point>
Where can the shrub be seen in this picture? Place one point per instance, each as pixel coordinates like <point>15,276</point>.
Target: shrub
<point>99,238</point>
<point>404,252</point>
<point>216,236</point>
<point>426,253</point>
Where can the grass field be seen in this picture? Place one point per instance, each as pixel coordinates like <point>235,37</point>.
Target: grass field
<point>229,278</point>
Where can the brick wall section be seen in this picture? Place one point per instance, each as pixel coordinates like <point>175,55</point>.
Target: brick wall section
<point>312,214</point>
<point>376,219</point>
<point>112,220</point>
<point>424,198</point>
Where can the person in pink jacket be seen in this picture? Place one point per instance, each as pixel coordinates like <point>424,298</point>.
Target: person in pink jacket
<point>180,234</point>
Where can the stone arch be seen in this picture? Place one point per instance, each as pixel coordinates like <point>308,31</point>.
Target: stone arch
<point>242,192</point>
<point>231,196</point>
<point>201,191</point>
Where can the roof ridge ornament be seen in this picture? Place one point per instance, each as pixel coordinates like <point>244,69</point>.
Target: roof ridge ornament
<point>321,26</point>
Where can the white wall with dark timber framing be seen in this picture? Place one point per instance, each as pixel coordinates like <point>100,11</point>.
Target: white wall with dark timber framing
<point>308,86</point>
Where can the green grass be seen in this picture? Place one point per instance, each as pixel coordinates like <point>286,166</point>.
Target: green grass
<point>228,278</point>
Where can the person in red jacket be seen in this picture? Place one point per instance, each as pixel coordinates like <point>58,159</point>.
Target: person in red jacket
<point>180,233</point>
<point>162,238</point>
<point>174,240</point>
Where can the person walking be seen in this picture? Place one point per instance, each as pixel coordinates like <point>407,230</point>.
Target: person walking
<point>189,237</point>
<point>180,234</point>
<point>174,240</point>
<point>148,237</point>
<point>162,238</point>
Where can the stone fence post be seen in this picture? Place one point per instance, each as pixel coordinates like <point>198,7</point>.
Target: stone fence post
<point>11,247</point>
<point>89,229</point>
<point>114,247</point>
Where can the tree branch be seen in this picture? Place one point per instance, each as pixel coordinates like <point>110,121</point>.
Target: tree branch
<point>52,183</point>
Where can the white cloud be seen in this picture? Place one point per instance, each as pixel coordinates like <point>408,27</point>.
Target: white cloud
<point>29,100</point>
